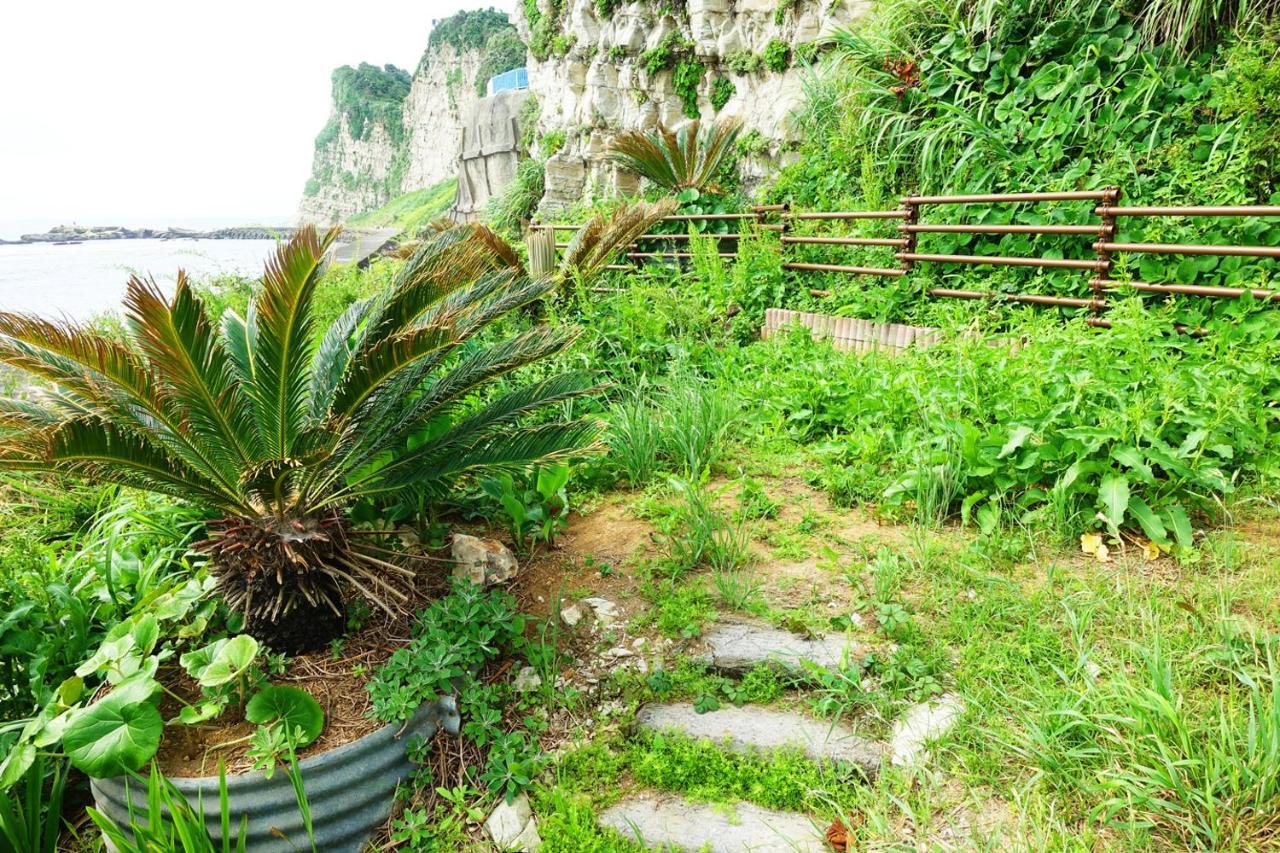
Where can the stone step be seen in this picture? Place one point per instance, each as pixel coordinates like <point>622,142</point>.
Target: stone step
<point>765,730</point>
<point>737,647</point>
<point>654,820</point>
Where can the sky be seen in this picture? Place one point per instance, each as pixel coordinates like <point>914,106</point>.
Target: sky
<point>158,113</point>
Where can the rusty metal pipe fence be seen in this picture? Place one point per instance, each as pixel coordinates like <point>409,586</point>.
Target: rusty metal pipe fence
<point>908,253</point>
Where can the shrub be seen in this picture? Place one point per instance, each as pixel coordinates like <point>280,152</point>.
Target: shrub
<point>686,80</point>
<point>721,91</point>
<point>776,56</point>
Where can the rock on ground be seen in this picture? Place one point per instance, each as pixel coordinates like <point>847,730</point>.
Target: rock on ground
<point>921,724</point>
<point>740,646</point>
<point>512,828</point>
<point>765,730</point>
<point>658,819</point>
<point>482,561</point>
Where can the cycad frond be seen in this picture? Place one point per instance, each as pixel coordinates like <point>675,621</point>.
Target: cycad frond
<point>283,342</point>
<point>596,242</point>
<point>193,367</point>
<point>688,158</point>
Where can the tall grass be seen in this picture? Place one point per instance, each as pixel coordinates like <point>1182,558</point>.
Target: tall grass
<point>1200,777</point>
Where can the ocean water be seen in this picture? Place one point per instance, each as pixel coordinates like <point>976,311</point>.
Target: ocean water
<point>88,279</point>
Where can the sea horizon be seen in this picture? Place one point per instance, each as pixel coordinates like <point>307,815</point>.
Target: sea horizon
<point>12,228</point>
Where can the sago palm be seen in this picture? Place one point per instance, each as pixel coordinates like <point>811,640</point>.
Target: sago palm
<point>688,158</point>
<point>278,427</point>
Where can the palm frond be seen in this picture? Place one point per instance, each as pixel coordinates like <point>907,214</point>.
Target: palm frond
<point>282,339</point>
<point>99,449</point>
<point>194,369</point>
<point>368,371</point>
<point>599,239</point>
<point>690,157</point>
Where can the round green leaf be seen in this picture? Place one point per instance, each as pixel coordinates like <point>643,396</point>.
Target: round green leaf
<point>222,661</point>
<point>296,708</point>
<point>113,737</point>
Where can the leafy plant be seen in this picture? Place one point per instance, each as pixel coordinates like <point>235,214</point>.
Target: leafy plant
<point>689,158</point>
<point>538,508</point>
<point>280,429</point>
<point>721,91</point>
<point>776,56</point>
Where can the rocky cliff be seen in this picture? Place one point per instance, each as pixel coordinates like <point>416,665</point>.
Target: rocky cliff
<point>601,66</point>
<point>596,67</point>
<point>357,164</point>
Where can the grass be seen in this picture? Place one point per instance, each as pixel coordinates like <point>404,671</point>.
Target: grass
<point>412,211</point>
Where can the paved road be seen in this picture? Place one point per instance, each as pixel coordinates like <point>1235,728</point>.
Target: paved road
<point>357,245</point>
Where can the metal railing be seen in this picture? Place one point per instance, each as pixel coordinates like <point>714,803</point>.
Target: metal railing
<point>907,251</point>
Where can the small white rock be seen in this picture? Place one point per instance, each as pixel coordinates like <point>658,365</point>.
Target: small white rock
<point>512,828</point>
<point>482,561</point>
<point>605,610</point>
<point>527,680</point>
<point>920,724</point>
<point>618,652</point>
<point>571,615</point>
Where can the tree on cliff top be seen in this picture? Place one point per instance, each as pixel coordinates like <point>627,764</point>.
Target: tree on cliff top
<point>369,95</point>
<point>466,30</point>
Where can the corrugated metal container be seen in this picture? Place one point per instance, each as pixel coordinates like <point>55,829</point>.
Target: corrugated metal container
<point>349,789</point>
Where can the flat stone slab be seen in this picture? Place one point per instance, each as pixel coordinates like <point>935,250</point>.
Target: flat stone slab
<point>655,820</point>
<point>741,646</point>
<point>764,730</point>
<point>921,724</point>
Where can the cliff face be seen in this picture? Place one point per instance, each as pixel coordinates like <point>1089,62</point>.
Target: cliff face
<point>596,67</point>
<point>357,164</point>
<point>348,175</point>
<point>636,64</point>
<point>443,92</point>
<point>390,134</point>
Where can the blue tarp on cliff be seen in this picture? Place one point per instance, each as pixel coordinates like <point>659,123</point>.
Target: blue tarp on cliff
<point>516,78</point>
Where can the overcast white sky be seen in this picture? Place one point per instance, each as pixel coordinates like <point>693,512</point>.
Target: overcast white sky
<point>169,111</point>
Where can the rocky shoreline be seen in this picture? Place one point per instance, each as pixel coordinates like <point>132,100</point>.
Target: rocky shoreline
<point>71,234</point>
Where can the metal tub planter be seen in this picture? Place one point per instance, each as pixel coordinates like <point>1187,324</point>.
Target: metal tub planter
<point>350,790</point>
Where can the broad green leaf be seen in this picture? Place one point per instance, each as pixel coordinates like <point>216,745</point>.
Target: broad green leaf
<point>70,690</point>
<point>146,632</point>
<point>1177,518</point>
<point>1132,458</point>
<point>1017,438</point>
<point>294,707</point>
<point>15,764</point>
<point>1113,494</point>
<point>113,737</point>
<point>108,655</point>
<point>138,687</point>
<point>190,715</point>
<point>222,661</point>
<point>1149,521</point>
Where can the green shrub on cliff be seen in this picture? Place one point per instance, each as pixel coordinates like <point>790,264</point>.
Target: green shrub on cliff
<point>502,52</point>
<point>467,30</point>
<point>366,96</point>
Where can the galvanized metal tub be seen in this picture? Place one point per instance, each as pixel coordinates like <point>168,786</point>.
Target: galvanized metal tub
<point>349,789</point>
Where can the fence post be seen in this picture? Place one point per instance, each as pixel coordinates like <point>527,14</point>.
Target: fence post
<point>1102,272</point>
<point>910,216</point>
